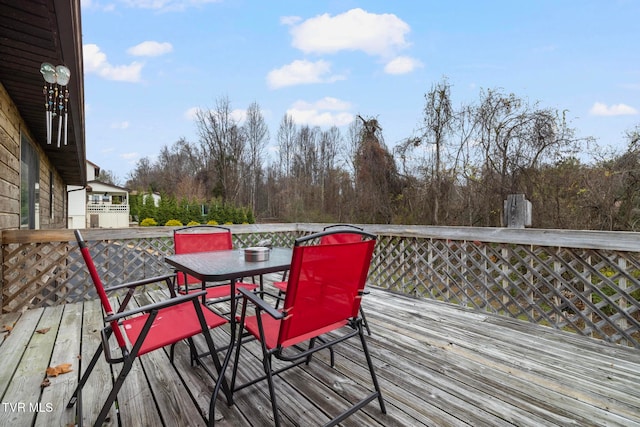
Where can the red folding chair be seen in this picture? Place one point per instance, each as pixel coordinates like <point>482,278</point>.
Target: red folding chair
<point>327,240</point>
<point>324,290</point>
<point>144,329</point>
<point>204,238</point>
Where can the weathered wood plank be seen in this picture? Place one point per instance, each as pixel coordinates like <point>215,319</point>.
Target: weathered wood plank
<point>25,385</point>
<point>7,322</point>
<point>66,350</point>
<point>13,349</point>
<point>100,381</point>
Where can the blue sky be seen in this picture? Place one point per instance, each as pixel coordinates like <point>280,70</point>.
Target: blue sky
<point>150,64</point>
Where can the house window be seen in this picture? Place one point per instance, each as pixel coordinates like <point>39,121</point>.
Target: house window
<point>29,184</point>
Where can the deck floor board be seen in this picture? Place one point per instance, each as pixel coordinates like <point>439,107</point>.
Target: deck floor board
<point>438,365</point>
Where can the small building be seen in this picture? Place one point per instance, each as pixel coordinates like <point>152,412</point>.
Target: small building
<point>98,204</point>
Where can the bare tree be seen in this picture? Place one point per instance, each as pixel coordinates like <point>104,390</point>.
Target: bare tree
<point>286,140</point>
<point>108,177</point>
<point>328,147</point>
<point>515,137</point>
<point>438,122</point>
<point>223,144</point>
<point>257,133</point>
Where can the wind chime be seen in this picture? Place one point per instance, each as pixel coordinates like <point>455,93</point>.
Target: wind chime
<point>56,97</point>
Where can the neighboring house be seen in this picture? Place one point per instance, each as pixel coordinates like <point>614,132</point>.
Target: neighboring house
<point>98,204</point>
<point>34,175</point>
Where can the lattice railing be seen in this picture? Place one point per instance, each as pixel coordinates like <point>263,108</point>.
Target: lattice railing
<point>583,282</point>
<point>594,292</point>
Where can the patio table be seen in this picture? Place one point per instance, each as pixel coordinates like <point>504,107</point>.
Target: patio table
<point>229,266</point>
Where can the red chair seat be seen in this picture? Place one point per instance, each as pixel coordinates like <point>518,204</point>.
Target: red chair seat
<point>281,286</point>
<point>271,328</point>
<point>172,324</point>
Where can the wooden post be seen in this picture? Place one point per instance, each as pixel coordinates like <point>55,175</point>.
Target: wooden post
<point>517,211</point>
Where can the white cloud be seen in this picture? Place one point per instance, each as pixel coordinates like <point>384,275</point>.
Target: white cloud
<point>129,156</point>
<point>326,103</point>
<point>121,125</point>
<point>192,113</point>
<point>600,109</point>
<point>356,29</point>
<point>95,61</point>
<point>150,48</point>
<point>238,115</point>
<point>325,112</point>
<point>402,65</point>
<point>302,72</point>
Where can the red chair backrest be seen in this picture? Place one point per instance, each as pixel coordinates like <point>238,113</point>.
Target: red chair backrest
<point>97,283</point>
<point>324,288</point>
<point>200,239</point>
<point>340,238</point>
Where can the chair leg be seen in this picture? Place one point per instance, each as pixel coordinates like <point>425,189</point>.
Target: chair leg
<point>126,368</point>
<point>312,342</point>
<point>266,363</point>
<point>280,294</point>
<point>374,379</point>
<point>75,396</point>
<point>364,321</point>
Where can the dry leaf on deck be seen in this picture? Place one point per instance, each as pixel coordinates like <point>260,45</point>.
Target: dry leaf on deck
<point>60,369</point>
<point>7,328</point>
<point>43,330</point>
<point>45,383</point>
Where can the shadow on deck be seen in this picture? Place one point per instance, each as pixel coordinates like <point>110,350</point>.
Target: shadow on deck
<point>438,365</point>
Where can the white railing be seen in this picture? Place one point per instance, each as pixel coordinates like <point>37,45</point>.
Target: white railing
<point>107,208</point>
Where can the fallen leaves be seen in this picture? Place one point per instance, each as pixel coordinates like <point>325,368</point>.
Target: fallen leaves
<point>60,369</point>
<point>54,371</point>
<point>7,328</point>
<point>43,330</point>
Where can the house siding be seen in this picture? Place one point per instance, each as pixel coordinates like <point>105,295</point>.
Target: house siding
<point>11,126</point>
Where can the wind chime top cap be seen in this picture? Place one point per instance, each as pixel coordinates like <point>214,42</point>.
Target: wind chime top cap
<point>63,74</point>
<point>48,72</point>
<point>59,74</point>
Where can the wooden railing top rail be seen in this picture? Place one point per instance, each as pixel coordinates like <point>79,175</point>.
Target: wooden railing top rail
<point>587,239</point>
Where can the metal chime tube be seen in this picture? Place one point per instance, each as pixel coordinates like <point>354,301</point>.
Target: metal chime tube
<point>66,114</point>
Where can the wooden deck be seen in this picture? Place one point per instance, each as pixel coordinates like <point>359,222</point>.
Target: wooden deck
<point>438,365</point>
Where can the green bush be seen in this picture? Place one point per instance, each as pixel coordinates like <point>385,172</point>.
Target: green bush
<point>173,223</point>
<point>148,222</point>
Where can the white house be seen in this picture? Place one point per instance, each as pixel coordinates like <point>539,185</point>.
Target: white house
<point>97,205</point>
